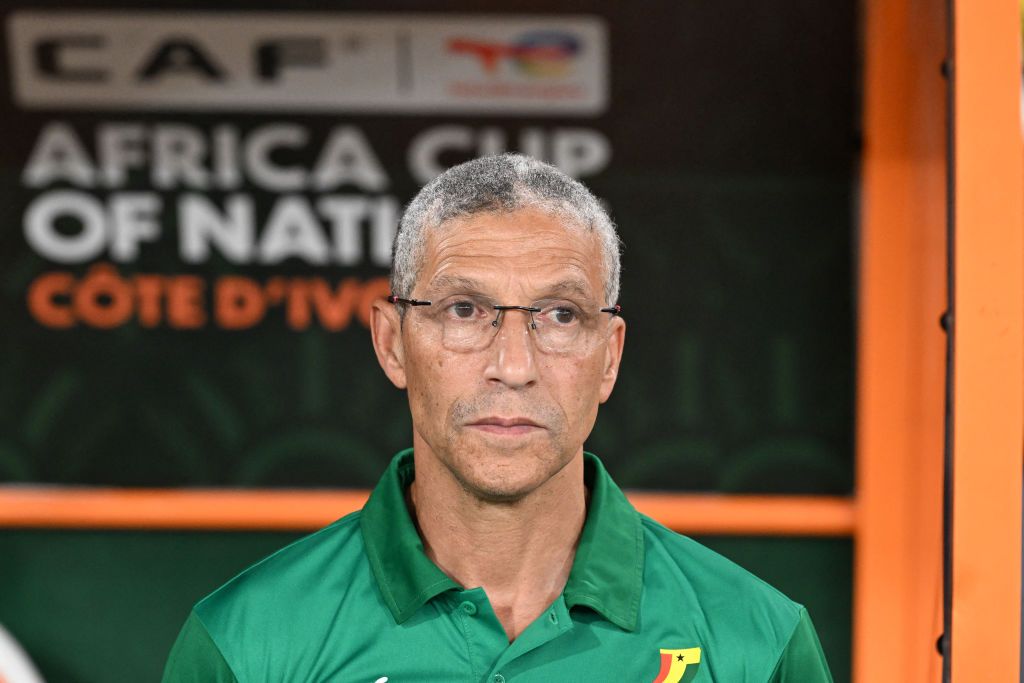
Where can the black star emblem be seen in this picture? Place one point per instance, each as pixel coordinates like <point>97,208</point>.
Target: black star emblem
<point>679,657</point>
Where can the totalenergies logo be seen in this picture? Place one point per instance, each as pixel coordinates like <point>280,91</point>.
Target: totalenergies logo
<point>536,53</point>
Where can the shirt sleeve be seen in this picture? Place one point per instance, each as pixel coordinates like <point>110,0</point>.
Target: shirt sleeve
<point>802,660</point>
<point>195,658</point>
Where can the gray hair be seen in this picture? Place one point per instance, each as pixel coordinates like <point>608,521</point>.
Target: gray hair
<point>503,183</point>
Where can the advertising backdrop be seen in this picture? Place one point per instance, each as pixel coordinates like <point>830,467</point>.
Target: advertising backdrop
<point>200,199</point>
<point>199,208</point>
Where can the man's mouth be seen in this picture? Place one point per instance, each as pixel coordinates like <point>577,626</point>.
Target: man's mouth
<point>506,426</point>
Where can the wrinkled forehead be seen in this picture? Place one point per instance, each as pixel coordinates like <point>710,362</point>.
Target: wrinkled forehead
<point>530,252</point>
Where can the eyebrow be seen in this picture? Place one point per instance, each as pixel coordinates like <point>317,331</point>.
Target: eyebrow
<point>446,282</point>
<point>469,285</point>
<point>571,286</point>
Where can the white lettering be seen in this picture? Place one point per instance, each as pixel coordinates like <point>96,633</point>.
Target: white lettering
<point>133,219</point>
<point>257,155</point>
<point>178,153</point>
<point>225,157</point>
<point>345,215</point>
<point>202,223</point>
<point>118,147</point>
<point>348,158</point>
<point>580,152</point>
<point>427,147</point>
<point>293,230</point>
<point>58,155</point>
<point>42,234</point>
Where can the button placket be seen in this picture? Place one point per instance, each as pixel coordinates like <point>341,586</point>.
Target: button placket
<point>546,628</point>
<point>484,637</point>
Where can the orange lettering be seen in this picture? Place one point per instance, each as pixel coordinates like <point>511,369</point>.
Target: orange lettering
<point>297,311</point>
<point>335,308</point>
<point>149,290</point>
<point>238,303</point>
<point>42,300</point>
<point>185,302</point>
<point>103,299</point>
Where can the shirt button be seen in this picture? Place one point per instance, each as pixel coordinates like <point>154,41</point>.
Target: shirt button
<point>498,678</point>
<point>470,609</point>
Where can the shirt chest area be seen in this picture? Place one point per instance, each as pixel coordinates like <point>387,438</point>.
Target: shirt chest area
<point>457,637</point>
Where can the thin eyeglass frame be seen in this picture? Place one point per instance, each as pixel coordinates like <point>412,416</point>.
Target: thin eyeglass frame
<point>615,310</point>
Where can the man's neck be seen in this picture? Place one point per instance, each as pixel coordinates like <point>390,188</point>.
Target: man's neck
<point>519,552</point>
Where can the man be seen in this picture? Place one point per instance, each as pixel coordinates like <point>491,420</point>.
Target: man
<point>495,549</point>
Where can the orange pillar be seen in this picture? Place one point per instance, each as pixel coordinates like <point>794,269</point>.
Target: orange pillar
<point>901,347</point>
<point>988,375</point>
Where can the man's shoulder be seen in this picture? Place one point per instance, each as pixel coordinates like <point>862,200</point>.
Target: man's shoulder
<point>717,585</point>
<point>738,620</point>
<point>283,582</point>
<point>278,613</point>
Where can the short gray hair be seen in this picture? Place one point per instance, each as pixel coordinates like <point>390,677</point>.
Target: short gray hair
<point>502,183</point>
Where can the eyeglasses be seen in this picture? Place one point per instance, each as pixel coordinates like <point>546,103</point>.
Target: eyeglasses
<point>468,322</point>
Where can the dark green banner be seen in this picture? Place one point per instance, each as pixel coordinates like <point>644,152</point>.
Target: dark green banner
<point>199,206</point>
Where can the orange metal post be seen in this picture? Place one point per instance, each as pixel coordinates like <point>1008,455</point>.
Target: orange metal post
<point>48,507</point>
<point>988,375</point>
<point>901,347</point>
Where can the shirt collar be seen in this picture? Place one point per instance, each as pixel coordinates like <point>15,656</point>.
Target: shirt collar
<point>606,575</point>
<point>608,570</point>
<point>406,576</point>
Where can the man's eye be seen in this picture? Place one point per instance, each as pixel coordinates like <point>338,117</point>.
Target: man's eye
<point>564,316</point>
<point>463,309</point>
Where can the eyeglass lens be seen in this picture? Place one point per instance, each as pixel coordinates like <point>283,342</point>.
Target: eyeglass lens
<point>469,323</point>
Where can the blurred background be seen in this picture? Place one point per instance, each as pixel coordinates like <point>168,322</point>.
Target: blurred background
<point>198,206</point>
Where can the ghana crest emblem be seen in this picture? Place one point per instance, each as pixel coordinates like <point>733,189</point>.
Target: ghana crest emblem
<point>678,666</point>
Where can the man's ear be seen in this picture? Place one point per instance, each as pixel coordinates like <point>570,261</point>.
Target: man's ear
<point>386,330</point>
<point>612,357</point>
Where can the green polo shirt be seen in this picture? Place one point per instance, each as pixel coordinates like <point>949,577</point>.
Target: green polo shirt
<point>360,601</point>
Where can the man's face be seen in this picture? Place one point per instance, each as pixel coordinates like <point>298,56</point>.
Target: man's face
<point>462,402</point>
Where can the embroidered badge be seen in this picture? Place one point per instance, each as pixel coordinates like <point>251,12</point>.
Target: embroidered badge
<point>678,666</point>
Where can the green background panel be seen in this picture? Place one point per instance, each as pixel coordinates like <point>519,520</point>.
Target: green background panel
<point>105,606</point>
<point>733,135</point>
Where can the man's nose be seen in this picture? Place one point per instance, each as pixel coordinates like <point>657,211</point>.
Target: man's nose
<point>512,352</point>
